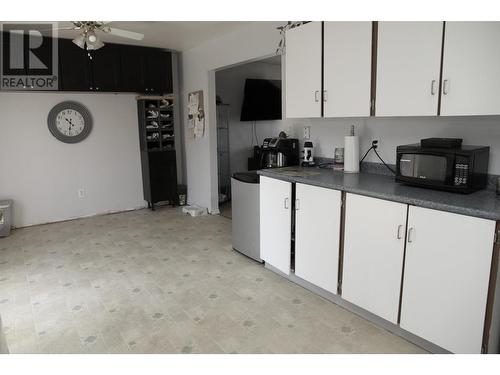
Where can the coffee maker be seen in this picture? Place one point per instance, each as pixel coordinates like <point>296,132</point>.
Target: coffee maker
<point>279,152</point>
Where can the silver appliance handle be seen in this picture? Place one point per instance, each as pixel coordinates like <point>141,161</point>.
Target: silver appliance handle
<point>398,235</point>
<point>410,237</point>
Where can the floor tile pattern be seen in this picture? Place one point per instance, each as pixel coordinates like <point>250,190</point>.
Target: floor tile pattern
<point>162,282</point>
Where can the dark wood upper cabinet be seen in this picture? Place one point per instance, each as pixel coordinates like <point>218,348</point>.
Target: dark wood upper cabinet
<point>132,69</point>
<point>74,67</point>
<point>158,71</point>
<point>106,69</point>
<point>112,68</point>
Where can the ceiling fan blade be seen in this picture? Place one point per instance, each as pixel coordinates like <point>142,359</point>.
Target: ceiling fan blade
<point>125,33</point>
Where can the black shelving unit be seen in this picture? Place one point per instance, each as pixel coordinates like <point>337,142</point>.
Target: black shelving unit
<point>158,155</point>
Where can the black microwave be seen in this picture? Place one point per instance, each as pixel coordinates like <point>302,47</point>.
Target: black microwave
<point>462,169</point>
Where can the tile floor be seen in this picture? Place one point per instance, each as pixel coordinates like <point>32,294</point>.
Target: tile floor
<point>162,282</point>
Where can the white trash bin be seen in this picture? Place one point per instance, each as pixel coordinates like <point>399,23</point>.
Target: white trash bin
<point>5,217</point>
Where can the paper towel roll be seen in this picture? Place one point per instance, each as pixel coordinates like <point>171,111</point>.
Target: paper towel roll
<point>351,154</point>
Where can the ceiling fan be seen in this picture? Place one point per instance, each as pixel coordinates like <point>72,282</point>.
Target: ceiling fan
<point>89,38</point>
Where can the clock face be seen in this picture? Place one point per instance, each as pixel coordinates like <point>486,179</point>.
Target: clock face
<point>70,122</point>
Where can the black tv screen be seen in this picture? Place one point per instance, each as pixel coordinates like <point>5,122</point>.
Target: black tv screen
<point>261,100</point>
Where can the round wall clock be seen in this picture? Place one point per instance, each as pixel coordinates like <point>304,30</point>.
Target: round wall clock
<point>70,122</point>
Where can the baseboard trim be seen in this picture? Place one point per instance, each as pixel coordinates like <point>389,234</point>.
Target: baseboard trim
<point>388,326</point>
<point>109,212</point>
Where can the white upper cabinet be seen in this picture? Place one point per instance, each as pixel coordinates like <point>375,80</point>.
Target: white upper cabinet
<point>471,69</point>
<point>317,235</point>
<point>303,71</point>
<point>347,68</point>
<point>446,276</point>
<point>275,222</point>
<point>374,243</point>
<point>408,67</point>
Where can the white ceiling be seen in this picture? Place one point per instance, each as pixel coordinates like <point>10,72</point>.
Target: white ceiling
<point>175,35</point>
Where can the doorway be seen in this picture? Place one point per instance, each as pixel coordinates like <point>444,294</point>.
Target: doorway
<point>237,139</point>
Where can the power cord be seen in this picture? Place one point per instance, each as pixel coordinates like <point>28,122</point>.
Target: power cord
<point>374,148</point>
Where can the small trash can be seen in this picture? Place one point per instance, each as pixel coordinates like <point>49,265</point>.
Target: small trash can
<point>5,217</point>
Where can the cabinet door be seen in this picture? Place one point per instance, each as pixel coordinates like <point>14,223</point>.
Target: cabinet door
<point>132,69</point>
<point>317,235</point>
<point>471,69</point>
<point>158,73</point>
<point>74,67</point>
<point>275,222</point>
<point>447,268</point>
<point>163,176</point>
<point>106,68</point>
<point>374,245</point>
<point>408,65</point>
<point>347,68</point>
<point>303,71</point>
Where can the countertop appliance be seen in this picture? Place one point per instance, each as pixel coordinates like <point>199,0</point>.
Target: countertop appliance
<point>245,208</point>
<point>308,154</point>
<point>279,152</point>
<point>440,163</point>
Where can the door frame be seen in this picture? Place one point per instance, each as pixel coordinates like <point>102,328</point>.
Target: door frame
<point>211,113</point>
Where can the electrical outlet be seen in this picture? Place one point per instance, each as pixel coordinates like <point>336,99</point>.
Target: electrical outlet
<point>81,193</point>
<point>376,141</point>
<point>307,132</point>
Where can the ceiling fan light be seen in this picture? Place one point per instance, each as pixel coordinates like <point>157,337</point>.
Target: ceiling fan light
<point>80,41</point>
<point>91,37</point>
<point>96,45</point>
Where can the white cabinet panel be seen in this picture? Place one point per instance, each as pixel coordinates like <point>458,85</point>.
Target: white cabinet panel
<point>373,254</point>
<point>447,267</point>
<point>275,222</point>
<point>317,235</point>
<point>408,66</point>
<point>303,71</point>
<point>347,68</point>
<point>471,69</point>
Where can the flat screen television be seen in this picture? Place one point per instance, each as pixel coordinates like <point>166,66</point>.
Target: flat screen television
<point>261,100</point>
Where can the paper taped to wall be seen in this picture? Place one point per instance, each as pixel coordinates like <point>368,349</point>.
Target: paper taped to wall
<point>196,115</point>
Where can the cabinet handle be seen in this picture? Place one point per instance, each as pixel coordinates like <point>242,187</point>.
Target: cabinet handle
<point>433,87</point>
<point>445,87</point>
<point>297,204</point>
<point>316,96</point>
<point>398,235</point>
<point>410,237</point>
<point>91,87</point>
<point>286,203</point>
<point>325,95</point>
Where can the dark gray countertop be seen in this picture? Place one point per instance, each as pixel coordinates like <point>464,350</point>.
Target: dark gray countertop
<point>484,204</point>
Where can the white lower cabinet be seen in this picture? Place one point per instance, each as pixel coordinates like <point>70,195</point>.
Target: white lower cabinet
<point>275,223</point>
<point>317,235</point>
<point>447,268</point>
<point>441,259</point>
<point>374,244</point>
